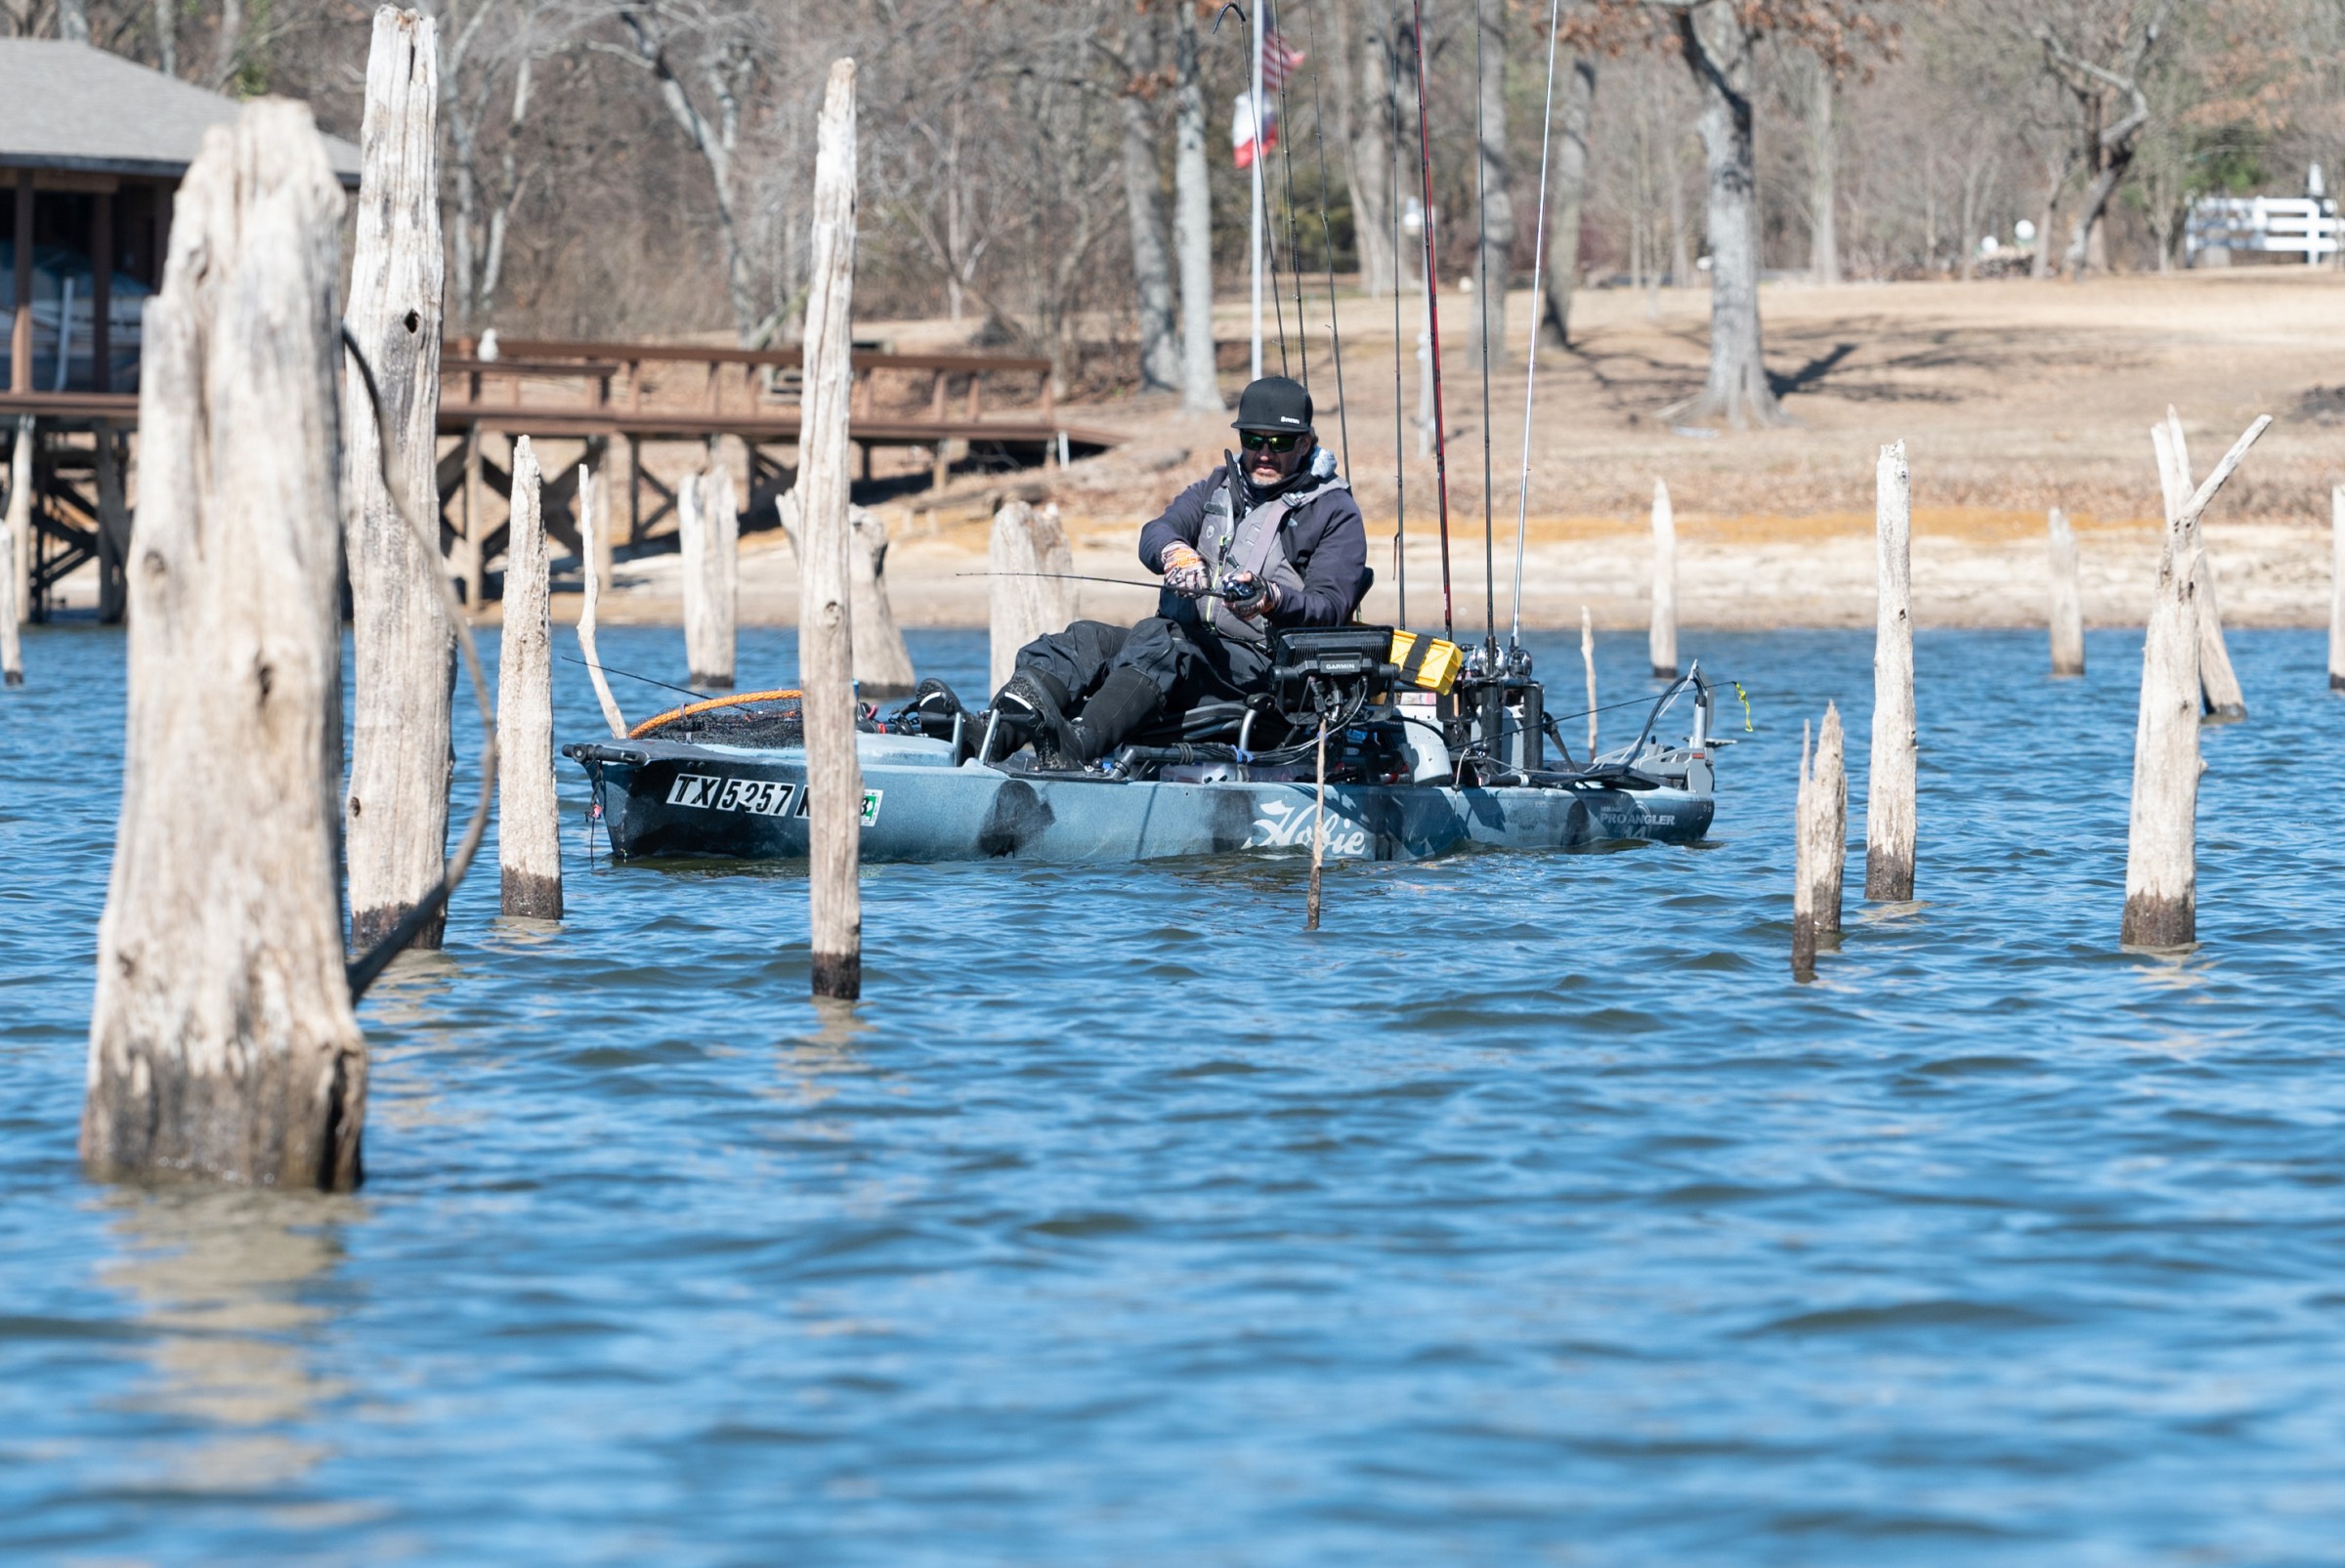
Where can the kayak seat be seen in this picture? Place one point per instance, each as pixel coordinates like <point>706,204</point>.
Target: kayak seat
<point>1214,720</point>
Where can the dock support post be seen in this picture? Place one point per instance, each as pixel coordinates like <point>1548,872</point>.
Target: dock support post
<point>1888,799</point>
<point>2067,617</point>
<point>23,455</point>
<point>2336,589</point>
<point>395,817</point>
<point>528,825</point>
<point>113,522</point>
<point>826,603</point>
<point>2219,683</point>
<point>222,1040</point>
<point>1664,639</point>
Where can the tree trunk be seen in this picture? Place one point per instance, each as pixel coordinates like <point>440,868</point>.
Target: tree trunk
<point>1888,784</point>
<point>1824,179</point>
<point>882,663</point>
<point>222,1040</point>
<point>1494,250</point>
<point>2088,246</point>
<point>1570,194</point>
<point>1367,165</point>
<point>596,516</point>
<point>2067,614</point>
<point>1719,49</point>
<point>1193,223</point>
<point>401,755</point>
<point>167,35</point>
<point>1662,640</point>
<point>1028,556</point>
<point>528,817</point>
<point>20,489</point>
<point>2162,871</point>
<point>1143,197</point>
<point>826,599</point>
<point>709,534</point>
<point>74,20</point>
<point>2039,265</point>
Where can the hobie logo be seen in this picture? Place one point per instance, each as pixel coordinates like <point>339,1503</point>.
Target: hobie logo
<point>1285,826</point>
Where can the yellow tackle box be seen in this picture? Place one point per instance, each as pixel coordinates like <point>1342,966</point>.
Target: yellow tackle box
<point>1426,662</point>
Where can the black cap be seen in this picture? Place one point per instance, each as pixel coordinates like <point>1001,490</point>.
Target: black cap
<point>1274,402</point>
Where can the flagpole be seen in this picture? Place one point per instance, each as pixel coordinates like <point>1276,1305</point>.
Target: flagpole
<point>1254,249</point>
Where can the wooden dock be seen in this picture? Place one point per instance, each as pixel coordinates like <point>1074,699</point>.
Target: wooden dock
<point>616,400</point>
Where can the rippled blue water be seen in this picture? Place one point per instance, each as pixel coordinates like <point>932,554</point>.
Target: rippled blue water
<point>1526,1214</point>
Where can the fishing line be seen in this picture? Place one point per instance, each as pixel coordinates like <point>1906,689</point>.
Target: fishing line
<point>628,674</point>
<point>1327,237</point>
<point>1433,315</point>
<point>1482,296</point>
<point>1400,457</point>
<point>1530,374</point>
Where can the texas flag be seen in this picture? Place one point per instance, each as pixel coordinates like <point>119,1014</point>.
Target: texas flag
<point>1241,140</point>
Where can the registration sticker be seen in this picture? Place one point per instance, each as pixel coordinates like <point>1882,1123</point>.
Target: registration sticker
<point>763,798</point>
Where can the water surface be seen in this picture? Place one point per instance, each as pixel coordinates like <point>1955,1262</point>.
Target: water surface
<point>1526,1214</point>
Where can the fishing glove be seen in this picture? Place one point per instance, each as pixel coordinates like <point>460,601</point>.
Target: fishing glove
<point>1183,569</point>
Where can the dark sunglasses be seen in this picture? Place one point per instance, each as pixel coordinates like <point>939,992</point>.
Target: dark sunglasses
<point>1268,440</point>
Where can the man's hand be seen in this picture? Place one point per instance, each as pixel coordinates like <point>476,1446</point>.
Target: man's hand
<point>1251,597</point>
<point>1183,568</point>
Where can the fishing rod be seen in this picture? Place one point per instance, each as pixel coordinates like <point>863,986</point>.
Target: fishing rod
<point>1400,456</point>
<point>1433,314</point>
<point>1481,299</point>
<point>1286,158</point>
<point>1117,582</point>
<point>1327,241</point>
<point>629,674</point>
<point>1530,381</point>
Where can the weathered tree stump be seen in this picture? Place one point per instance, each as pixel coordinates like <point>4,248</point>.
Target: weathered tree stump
<point>594,526</point>
<point>1664,637</point>
<point>1820,860</point>
<point>1588,662</point>
<point>528,817</point>
<point>15,522</point>
<point>1888,799</point>
<point>710,531</point>
<point>1030,595</point>
<point>395,817</point>
<point>2067,617</point>
<point>222,1041</point>
<point>2161,851</point>
<point>882,663</point>
<point>2336,589</point>
<point>2219,683</point>
<point>826,597</point>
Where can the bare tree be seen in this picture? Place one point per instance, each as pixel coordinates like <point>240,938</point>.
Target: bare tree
<point>1143,201</point>
<point>2105,144</point>
<point>1494,227</point>
<point>1193,219</point>
<point>1570,194</point>
<point>489,51</point>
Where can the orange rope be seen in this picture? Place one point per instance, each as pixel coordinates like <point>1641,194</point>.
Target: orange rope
<point>690,708</point>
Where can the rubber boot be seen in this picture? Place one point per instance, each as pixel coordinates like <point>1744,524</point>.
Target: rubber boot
<point>1124,700</point>
<point>1034,706</point>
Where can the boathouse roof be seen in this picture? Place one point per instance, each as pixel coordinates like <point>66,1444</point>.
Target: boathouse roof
<point>66,106</point>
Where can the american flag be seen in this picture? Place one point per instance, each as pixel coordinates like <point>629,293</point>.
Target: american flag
<point>1278,60</point>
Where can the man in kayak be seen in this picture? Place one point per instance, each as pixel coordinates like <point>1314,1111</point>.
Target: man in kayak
<point>1291,551</point>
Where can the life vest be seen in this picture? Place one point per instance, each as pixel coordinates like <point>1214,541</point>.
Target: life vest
<point>1256,543</point>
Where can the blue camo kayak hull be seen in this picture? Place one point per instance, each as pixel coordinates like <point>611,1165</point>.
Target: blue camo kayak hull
<point>673,799</point>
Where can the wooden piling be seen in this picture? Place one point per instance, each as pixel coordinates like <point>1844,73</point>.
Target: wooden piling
<point>222,1039</point>
<point>396,815</point>
<point>2336,589</point>
<point>112,454</point>
<point>528,818</point>
<point>2219,684</point>
<point>882,663</point>
<point>1311,900</point>
<point>1889,800</point>
<point>1664,638</point>
<point>826,599</point>
<point>710,530</point>
<point>2162,872</point>
<point>594,529</point>
<point>1029,595</point>
<point>2068,600</point>
<point>1803,883</point>
<point>1588,661</point>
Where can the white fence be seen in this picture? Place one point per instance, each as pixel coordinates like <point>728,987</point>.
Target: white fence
<point>2307,226</point>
